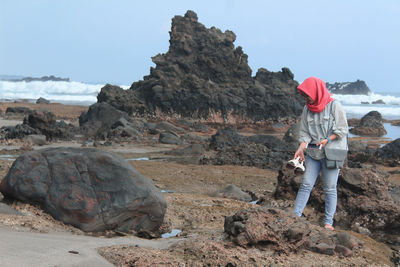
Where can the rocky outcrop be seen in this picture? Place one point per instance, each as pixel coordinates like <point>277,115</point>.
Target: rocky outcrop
<point>349,88</point>
<point>204,76</point>
<point>45,122</point>
<point>370,125</point>
<point>390,151</point>
<point>227,147</point>
<point>40,122</point>
<point>363,198</point>
<point>104,121</point>
<point>87,188</point>
<point>18,131</point>
<point>18,110</point>
<point>281,231</point>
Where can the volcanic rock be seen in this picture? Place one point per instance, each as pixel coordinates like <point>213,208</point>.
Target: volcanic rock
<point>36,139</point>
<point>390,151</point>
<point>363,198</point>
<point>42,100</point>
<point>166,126</point>
<point>370,125</point>
<point>18,131</point>
<point>45,122</point>
<point>231,148</point>
<point>18,110</point>
<point>379,101</point>
<point>203,76</point>
<point>234,192</point>
<point>87,188</point>
<point>103,120</point>
<point>281,231</point>
<point>349,88</point>
<point>170,138</point>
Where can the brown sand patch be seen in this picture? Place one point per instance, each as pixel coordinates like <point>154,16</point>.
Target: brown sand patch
<point>61,111</point>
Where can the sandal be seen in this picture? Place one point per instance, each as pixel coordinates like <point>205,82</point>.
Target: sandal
<point>300,167</point>
<point>293,162</point>
<point>329,227</point>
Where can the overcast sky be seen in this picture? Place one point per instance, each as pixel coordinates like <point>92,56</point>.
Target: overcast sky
<point>112,41</point>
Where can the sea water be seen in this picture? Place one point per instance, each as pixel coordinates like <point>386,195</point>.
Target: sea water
<point>55,91</point>
<point>80,93</point>
<point>354,109</point>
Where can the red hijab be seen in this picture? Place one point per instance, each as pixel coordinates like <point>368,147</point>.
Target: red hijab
<point>316,89</point>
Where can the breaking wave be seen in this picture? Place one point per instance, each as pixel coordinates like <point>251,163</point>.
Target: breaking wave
<point>51,90</point>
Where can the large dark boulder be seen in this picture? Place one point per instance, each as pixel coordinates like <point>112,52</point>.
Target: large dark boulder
<point>203,75</point>
<point>87,188</point>
<point>349,88</point>
<point>370,125</point>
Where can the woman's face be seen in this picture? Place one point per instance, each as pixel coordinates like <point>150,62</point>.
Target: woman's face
<point>308,99</point>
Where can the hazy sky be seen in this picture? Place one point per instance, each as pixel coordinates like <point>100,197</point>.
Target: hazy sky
<point>112,41</point>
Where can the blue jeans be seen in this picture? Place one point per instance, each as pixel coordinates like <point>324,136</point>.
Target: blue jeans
<point>330,177</point>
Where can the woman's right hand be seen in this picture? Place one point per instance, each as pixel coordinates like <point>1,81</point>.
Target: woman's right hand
<point>300,152</point>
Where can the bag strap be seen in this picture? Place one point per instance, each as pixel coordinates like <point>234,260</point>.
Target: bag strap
<point>330,112</point>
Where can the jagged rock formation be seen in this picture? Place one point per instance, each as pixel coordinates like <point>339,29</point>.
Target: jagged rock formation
<point>349,88</point>
<point>204,76</point>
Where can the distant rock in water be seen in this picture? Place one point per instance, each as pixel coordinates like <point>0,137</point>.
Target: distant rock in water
<point>204,76</point>
<point>370,125</point>
<point>42,100</point>
<point>379,101</point>
<point>349,88</point>
<point>41,79</point>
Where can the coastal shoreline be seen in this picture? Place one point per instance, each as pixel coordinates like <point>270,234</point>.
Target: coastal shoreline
<point>190,191</point>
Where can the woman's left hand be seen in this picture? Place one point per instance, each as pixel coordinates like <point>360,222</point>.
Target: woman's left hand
<point>323,143</point>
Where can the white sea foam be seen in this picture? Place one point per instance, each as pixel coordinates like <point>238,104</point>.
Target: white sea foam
<point>357,99</point>
<point>86,94</point>
<point>51,90</point>
<point>354,109</point>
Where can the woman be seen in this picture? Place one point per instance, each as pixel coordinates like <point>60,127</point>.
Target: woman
<point>322,121</point>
